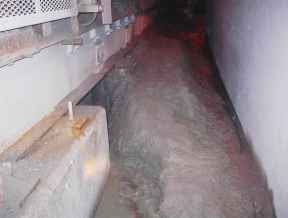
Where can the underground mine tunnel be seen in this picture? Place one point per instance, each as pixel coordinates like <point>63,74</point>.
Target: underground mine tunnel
<point>143,108</point>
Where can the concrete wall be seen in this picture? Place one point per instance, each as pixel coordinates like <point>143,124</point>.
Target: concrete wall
<point>249,39</point>
<point>31,88</point>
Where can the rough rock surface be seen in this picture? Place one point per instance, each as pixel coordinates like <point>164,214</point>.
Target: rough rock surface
<point>173,138</point>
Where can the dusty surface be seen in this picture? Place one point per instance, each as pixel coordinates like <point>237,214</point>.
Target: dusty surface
<point>174,145</point>
<point>62,171</point>
<point>114,203</point>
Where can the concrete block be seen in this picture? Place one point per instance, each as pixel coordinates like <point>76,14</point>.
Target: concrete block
<point>65,175</point>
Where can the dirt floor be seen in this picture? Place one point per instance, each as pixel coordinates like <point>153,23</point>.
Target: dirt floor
<point>175,151</point>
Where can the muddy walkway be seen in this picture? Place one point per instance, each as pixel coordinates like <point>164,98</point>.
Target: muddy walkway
<point>174,148</point>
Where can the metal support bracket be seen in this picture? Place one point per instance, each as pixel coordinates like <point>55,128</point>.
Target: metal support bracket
<point>85,8</point>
